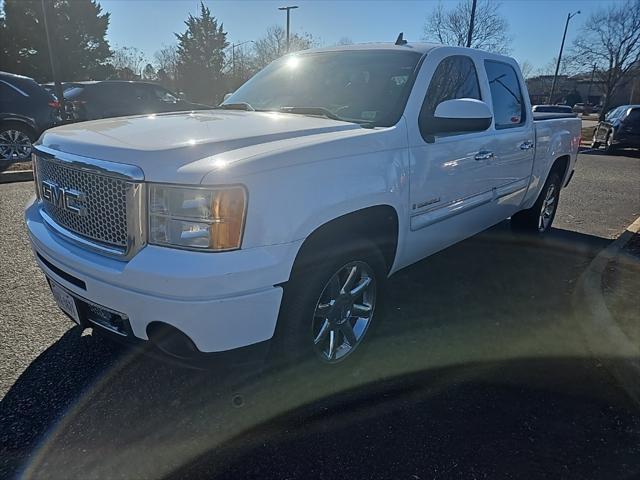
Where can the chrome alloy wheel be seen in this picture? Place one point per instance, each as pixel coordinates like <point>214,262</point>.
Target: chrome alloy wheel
<point>548,208</point>
<point>14,145</point>
<point>344,311</point>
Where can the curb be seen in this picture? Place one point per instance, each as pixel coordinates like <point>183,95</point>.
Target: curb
<point>16,176</point>
<point>601,331</point>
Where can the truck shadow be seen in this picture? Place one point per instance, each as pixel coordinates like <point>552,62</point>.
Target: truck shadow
<point>496,299</point>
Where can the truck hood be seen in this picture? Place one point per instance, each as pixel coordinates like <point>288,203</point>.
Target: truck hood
<point>185,146</point>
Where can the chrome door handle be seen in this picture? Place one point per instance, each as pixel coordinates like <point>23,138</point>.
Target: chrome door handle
<point>484,155</point>
<point>526,145</point>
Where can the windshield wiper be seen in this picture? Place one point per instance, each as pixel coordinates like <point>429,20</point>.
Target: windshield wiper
<point>237,106</point>
<point>322,111</point>
<point>311,111</point>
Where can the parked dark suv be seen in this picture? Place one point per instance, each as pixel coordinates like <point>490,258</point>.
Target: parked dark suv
<point>619,129</point>
<point>26,110</point>
<point>116,98</point>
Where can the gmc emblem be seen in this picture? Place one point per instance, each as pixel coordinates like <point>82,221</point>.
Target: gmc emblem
<point>65,198</point>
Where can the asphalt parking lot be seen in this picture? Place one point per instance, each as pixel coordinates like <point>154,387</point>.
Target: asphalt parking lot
<point>478,368</point>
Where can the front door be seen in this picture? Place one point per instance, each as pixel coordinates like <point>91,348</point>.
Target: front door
<point>451,184</point>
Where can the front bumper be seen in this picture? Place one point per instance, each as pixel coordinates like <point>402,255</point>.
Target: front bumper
<point>220,301</point>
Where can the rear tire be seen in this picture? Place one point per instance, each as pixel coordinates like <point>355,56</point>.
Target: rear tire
<point>321,319</point>
<point>539,218</point>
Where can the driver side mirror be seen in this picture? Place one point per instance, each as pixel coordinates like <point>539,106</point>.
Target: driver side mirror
<point>457,116</point>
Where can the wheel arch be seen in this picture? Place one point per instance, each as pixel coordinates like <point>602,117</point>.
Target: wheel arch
<point>560,165</point>
<point>377,224</point>
<point>13,119</point>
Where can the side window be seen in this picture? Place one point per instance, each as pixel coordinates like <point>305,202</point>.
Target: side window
<point>633,117</point>
<point>8,93</point>
<point>163,95</point>
<point>506,96</point>
<point>455,77</point>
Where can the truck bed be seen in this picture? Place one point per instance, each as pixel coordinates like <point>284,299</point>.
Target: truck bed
<point>539,116</point>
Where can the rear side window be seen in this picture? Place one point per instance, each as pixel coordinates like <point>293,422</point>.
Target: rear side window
<point>506,96</point>
<point>455,77</point>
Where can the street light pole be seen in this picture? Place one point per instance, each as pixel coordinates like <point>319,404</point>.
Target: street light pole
<point>288,9</point>
<point>564,35</point>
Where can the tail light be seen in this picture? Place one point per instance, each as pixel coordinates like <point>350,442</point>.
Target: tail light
<point>54,104</point>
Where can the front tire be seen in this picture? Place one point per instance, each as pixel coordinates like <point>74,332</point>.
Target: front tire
<point>329,304</point>
<point>16,142</point>
<point>610,146</point>
<point>539,218</point>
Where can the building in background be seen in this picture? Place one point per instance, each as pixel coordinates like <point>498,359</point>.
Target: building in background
<point>582,89</point>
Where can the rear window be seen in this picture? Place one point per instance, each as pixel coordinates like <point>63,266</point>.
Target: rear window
<point>73,92</point>
<point>552,109</point>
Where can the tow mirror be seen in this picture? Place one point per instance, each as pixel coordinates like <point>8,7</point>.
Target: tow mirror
<point>458,115</point>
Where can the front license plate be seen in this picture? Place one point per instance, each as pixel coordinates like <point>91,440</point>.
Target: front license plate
<point>65,301</point>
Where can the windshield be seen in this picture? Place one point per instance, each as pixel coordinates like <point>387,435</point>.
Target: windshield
<point>364,86</point>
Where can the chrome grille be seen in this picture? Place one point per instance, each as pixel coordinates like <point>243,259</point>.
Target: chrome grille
<point>105,220</point>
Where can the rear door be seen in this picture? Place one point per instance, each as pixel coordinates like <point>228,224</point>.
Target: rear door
<point>512,137</point>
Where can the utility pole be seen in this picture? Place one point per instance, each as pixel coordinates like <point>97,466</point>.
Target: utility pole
<point>233,54</point>
<point>593,73</point>
<point>288,9</point>
<point>471,23</point>
<point>54,74</point>
<point>555,76</point>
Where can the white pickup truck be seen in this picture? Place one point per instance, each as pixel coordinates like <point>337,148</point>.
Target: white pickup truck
<point>273,220</point>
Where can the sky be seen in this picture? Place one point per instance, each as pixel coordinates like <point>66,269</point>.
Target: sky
<point>536,26</point>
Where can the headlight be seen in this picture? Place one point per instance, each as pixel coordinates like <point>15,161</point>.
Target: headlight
<point>196,218</point>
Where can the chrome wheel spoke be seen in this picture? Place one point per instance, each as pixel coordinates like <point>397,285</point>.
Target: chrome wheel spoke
<point>323,310</point>
<point>332,344</point>
<point>322,333</point>
<point>364,283</point>
<point>361,309</point>
<point>350,280</point>
<point>347,330</point>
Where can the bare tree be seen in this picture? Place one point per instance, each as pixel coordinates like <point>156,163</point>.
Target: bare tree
<point>127,62</point>
<point>526,68</point>
<point>345,41</point>
<point>610,40</point>
<point>451,26</point>
<point>274,44</point>
<point>149,72</point>
<point>165,61</point>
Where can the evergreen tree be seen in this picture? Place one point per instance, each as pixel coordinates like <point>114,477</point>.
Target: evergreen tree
<point>78,31</point>
<point>201,57</point>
